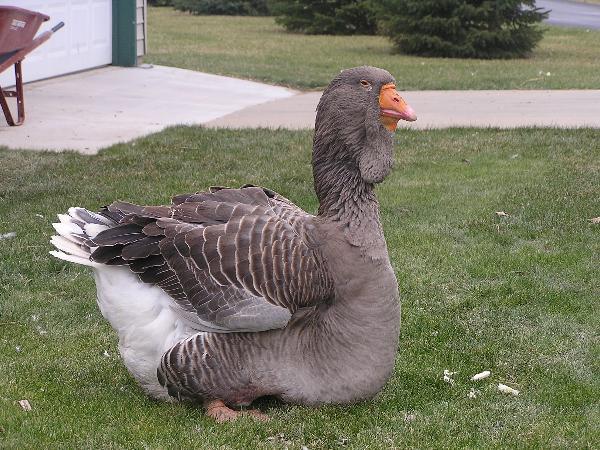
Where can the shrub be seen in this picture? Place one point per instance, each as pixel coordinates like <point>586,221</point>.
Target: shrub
<point>160,2</point>
<point>326,16</point>
<point>463,28</point>
<point>223,7</point>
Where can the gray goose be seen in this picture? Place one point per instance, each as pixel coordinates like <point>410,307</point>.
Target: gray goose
<point>228,295</point>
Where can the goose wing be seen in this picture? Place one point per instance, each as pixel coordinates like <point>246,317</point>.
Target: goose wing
<point>233,259</point>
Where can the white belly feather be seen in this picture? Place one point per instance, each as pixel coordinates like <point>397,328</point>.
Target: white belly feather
<point>146,320</point>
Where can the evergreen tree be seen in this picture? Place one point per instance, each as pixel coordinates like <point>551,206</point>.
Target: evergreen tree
<point>463,28</point>
<point>326,16</point>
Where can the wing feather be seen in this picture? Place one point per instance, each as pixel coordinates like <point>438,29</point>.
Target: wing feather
<point>239,259</point>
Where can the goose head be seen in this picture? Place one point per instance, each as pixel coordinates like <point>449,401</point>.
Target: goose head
<point>356,120</point>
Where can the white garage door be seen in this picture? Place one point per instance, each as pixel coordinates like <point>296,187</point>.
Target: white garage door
<point>83,43</point>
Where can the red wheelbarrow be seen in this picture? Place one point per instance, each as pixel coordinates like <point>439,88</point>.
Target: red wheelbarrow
<point>17,30</point>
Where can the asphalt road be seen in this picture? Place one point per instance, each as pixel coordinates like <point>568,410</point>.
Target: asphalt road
<point>571,14</point>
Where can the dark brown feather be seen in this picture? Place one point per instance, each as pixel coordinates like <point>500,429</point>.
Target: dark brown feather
<point>227,254</point>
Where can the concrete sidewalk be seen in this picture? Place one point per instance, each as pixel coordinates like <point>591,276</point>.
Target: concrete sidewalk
<point>95,109</point>
<point>98,108</point>
<point>443,109</point>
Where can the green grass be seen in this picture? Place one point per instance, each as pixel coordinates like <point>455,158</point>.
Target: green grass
<point>517,295</point>
<point>256,48</point>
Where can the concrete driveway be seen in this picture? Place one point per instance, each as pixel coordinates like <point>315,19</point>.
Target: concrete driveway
<point>98,108</point>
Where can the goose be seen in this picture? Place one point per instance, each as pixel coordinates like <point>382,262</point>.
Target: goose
<point>228,295</point>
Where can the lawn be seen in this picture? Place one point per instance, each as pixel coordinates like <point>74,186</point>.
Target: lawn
<point>256,48</point>
<point>517,295</point>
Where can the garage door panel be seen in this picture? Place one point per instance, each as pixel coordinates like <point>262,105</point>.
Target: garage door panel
<point>80,21</point>
<point>84,42</point>
<point>101,15</point>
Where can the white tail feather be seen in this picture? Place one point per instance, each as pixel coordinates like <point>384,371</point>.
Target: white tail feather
<point>64,218</point>
<point>66,229</point>
<point>68,246</point>
<point>74,259</point>
<point>85,216</point>
<point>73,230</point>
<point>92,229</point>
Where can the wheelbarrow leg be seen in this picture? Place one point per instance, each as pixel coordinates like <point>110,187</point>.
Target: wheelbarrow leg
<point>4,105</point>
<point>20,99</point>
<point>18,94</point>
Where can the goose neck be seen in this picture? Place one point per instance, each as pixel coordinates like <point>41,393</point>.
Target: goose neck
<point>343,195</point>
<point>347,201</point>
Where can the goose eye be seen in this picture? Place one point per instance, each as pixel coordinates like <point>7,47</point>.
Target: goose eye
<point>365,83</point>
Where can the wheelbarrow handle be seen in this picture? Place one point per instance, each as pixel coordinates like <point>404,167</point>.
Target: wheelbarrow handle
<point>58,26</point>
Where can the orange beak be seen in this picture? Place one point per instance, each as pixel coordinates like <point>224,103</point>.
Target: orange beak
<point>393,107</point>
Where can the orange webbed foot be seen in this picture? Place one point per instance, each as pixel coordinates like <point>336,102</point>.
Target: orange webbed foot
<point>222,413</point>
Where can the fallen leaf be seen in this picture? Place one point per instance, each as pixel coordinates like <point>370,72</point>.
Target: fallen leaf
<point>501,214</point>
<point>25,405</point>
<point>595,220</point>
<point>481,375</point>
<point>507,389</point>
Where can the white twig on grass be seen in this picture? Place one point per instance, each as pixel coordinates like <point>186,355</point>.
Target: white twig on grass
<point>507,389</point>
<point>481,375</point>
<point>25,405</point>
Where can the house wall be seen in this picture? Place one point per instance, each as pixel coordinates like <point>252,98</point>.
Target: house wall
<point>141,27</point>
<point>84,42</point>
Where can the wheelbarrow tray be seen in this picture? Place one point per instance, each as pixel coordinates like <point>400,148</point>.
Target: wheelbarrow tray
<point>18,27</point>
